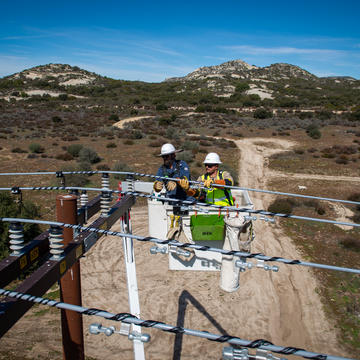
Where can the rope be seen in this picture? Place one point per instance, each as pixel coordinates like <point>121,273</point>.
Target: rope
<point>189,203</point>
<point>192,182</point>
<point>131,319</point>
<point>186,245</point>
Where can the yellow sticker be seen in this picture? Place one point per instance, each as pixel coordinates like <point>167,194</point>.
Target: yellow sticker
<point>79,251</point>
<point>62,267</point>
<point>34,253</point>
<point>23,262</point>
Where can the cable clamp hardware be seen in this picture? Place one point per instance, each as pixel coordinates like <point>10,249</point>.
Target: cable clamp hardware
<point>243,265</point>
<point>229,353</point>
<point>158,250</point>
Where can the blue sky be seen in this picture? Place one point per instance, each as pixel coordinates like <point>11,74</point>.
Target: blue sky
<point>154,40</point>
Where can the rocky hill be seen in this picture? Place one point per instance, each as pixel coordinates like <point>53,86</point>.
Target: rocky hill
<point>231,84</point>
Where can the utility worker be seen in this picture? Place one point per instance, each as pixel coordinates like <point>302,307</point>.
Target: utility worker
<point>173,168</point>
<point>214,176</point>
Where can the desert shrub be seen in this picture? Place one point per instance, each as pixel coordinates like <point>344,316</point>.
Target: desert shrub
<point>74,149</point>
<point>282,206</point>
<point>119,166</point>
<point>312,150</point>
<point>70,138</point>
<point>18,150</point>
<point>36,148</point>
<point>32,156</point>
<point>350,243</point>
<point>299,151</point>
<point>161,107</point>
<point>89,155</point>
<point>10,208</point>
<point>313,131</point>
<point>64,156</point>
<point>56,119</point>
<point>164,121</point>
<point>137,134</point>
<point>111,145</point>
<point>129,142</point>
<point>342,160</point>
<point>262,113</point>
<point>187,156</point>
<point>190,145</point>
<point>114,117</point>
<point>103,167</point>
<point>75,179</point>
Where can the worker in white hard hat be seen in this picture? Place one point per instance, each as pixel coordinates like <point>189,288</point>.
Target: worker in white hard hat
<point>173,168</point>
<point>212,177</point>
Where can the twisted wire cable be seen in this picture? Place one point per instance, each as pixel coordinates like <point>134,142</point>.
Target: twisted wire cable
<point>128,173</point>
<point>191,204</point>
<point>186,245</point>
<point>131,319</point>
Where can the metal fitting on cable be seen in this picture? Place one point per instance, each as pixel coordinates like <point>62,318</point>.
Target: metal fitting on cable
<point>59,174</point>
<point>84,198</point>
<point>229,353</point>
<point>56,242</point>
<point>266,219</point>
<point>97,328</point>
<point>250,218</point>
<point>16,235</point>
<point>105,203</point>
<point>158,250</point>
<point>176,250</point>
<point>243,265</point>
<point>15,190</point>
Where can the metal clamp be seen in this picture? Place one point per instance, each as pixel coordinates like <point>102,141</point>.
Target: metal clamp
<point>266,219</point>
<point>158,250</point>
<point>250,218</point>
<point>243,265</point>
<point>176,250</point>
<point>229,353</point>
<point>97,328</point>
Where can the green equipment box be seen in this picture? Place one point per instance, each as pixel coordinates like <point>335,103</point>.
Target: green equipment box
<point>207,227</point>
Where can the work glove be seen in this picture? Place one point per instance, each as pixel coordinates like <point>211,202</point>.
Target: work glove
<point>208,182</point>
<point>184,183</point>
<point>171,185</point>
<point>158,185</point>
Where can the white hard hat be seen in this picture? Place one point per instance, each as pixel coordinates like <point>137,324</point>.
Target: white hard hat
<point>212,158</point>
<point>168,149</point>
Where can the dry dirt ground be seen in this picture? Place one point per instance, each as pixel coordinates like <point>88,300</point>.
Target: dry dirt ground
<point>282,307</point>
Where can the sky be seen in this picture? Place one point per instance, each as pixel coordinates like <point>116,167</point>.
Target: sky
<point>154,40</point>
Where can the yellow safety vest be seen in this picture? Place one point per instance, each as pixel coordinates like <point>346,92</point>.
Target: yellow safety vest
<point>218,196</point>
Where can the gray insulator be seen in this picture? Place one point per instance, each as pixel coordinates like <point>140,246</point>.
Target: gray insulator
<point>140,337</point>
<point>105,204</point>
<point>105,181</point>
<point>16,235</point>
<point>84,198</point>
<point>56,242</point>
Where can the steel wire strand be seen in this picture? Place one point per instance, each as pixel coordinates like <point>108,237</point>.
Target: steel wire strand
<point>191,182</point>
<point>131,319</point>
<point>189,203</point>
<point>178,244</point>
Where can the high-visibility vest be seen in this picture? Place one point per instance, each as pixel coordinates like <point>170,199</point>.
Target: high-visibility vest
<point>218,196</point>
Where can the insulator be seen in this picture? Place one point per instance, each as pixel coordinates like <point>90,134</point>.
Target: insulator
<point>105,181</point>
<point>16,235</point>
<point>105,203</point>
<point>56,241</point>
<point>130,180</point>
<point>84,198</point>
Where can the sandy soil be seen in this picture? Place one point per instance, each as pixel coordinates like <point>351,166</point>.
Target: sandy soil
<point>282,307</point>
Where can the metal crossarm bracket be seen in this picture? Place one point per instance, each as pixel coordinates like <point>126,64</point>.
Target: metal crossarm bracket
<point>97,328</point>
<point>229,353</point>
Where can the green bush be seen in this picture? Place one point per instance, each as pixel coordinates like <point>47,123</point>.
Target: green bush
<point>114,117</point>
<point>119,166</point>
<point>282,206</point>
<point>36,148</point>
<point>351,243</point>
<point>313,131</point>
<point>89,155</point>
<point>262,114</point>
<point>74,149</point>
<point>76,179</point>
<point>187,156</point>
<point>56,119</point>
<point>111,145</point>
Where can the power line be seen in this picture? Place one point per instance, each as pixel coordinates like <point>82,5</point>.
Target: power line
<point>192,182</point>
<point>186,245</point>
<point>190,203</point>
<point>131,319</point>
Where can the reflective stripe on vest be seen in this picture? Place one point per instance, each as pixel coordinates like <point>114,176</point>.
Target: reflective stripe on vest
<point>217,196</point>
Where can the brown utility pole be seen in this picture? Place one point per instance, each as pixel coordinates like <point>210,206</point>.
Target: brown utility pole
<point>70,285</point>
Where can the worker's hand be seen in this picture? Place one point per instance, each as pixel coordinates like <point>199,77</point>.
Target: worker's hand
<point>158,185</point>
<point>208,182</point>
<point>184,183</point>
<point>171,185</point>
